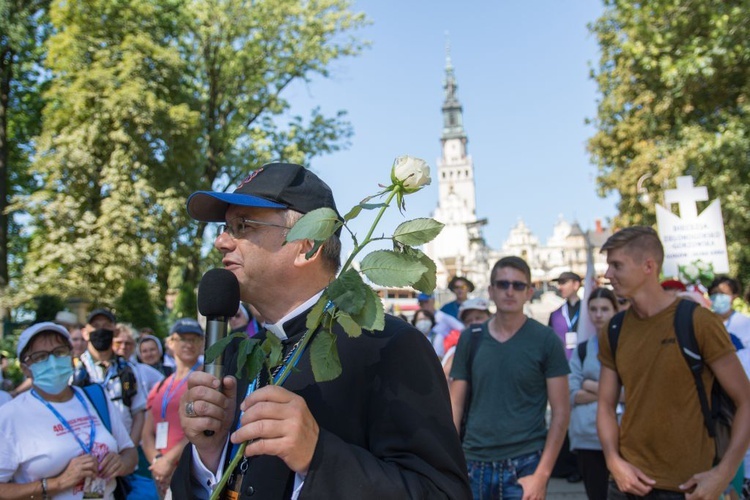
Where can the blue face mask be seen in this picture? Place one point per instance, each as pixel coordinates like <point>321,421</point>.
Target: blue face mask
<point>721,303</point>
<point>52,375</point>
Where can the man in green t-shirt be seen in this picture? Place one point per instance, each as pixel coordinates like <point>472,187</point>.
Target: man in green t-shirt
<point>518,366</point>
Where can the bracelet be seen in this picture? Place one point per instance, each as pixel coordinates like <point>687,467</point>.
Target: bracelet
<point>44,489</point>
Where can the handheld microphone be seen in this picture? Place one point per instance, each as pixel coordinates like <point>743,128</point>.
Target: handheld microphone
<point>218,300</point>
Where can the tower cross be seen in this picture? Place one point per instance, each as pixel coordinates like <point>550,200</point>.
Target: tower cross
<point>686,195</point>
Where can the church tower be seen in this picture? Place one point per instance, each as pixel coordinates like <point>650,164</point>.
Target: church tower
<point>459,249</point>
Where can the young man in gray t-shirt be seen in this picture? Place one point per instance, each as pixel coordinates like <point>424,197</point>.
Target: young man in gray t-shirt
<point>519,365</point>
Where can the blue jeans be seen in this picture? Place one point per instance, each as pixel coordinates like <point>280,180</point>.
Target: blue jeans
<point>499,480</point>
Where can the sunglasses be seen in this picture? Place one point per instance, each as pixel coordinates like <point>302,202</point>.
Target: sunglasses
<point>518,286</point>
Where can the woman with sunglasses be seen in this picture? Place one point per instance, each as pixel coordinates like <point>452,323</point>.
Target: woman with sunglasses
<point>163,438</point>
<point>54,444</point>
<point>584,392</point>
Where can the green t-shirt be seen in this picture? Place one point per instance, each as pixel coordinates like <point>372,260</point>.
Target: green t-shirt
<point>509,390</point>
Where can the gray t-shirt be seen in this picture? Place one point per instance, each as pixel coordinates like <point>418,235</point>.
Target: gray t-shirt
<point>509,390</point>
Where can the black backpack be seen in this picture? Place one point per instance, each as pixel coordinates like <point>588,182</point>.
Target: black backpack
<point>125,373</point>
<point>475,331</point>
<point>719,416</point>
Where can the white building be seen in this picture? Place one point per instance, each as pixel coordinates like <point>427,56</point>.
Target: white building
<point>460,249</point>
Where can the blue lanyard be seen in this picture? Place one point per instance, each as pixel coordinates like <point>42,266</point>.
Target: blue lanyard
<point>169,393</point>
<point>92,434</point>
<point>569,321</point>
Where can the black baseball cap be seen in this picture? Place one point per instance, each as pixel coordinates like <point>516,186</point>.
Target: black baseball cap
<point>275,185</point>
<point>187,325</point>
<point>101,312</point>
<point>567,276</point>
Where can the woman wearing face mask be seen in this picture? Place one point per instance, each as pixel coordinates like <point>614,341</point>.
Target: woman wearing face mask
<point>424,321</point>
<point>584,392</point>
<point>54,444</point>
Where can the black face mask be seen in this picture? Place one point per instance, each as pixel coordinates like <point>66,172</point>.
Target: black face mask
<point>101,339</point>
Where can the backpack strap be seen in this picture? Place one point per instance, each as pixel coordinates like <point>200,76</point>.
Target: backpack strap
<point>476,335</point>
<point>98,398</point>
<point>613,332</point>
<point>582,347</point>
<point>685,333</point>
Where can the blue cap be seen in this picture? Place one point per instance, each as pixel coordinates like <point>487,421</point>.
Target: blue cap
<point>187,325</point>
<point>424,297</point>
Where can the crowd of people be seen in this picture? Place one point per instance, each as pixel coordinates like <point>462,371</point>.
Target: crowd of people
<point>472,400</point>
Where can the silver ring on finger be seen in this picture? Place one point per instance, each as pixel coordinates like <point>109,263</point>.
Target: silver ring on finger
<point>190,409</point>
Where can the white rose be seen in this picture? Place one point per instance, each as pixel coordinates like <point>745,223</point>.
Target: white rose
<point>412,173</point>
<point>690,271</point>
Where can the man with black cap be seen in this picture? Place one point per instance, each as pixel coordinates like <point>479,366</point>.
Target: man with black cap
<point>100,365</point>
<point>382,429</point>
<point>564,321</point>
<point>461,287</point>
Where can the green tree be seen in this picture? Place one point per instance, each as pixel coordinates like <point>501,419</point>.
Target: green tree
<point>243,57</point>
<point>47,307</point>
<point>134,305</point>
<point>23,29</point>
<point>114,157</point>
<point>674,80</point>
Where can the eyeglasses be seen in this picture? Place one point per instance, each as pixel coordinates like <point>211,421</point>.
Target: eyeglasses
<point>124,342</point>
<point>518,286</point>
<point>189,340</point>
<point>237,226</point>
<point>39,356</point>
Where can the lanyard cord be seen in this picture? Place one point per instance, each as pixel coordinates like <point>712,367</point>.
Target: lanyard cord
<point>169,393</point>
<point>64,422</point>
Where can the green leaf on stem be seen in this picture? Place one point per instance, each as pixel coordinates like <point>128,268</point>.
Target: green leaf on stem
<point>355,211</point>
<point>272,349</point>
<point>324,356</point>
<point>247,346</point>
<point>348,324</point>
<point>388,268</point>
<point>428,280</point>
<point>217,348</point>
<point>372,316</point>
<point>255,362</point>
<point>313,319</point>
<point>348,291</point>
<point>317,225</point>
<point>417,231</point>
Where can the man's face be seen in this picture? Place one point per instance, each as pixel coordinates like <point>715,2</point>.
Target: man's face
<point>568,287</point>
<point>257,257</point>
<point>625,274</point>
<point>124,345</point>
<point>509,301</point>
<point>79,344</point>
<point>461,289</point>
<point>96,323</point>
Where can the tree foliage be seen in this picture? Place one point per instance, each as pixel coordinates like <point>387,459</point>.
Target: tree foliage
<point>134,305</point>
<point>674,78</point>
<point>150,100</point>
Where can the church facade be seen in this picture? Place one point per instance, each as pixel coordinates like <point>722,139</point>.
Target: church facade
<point>460,249</point>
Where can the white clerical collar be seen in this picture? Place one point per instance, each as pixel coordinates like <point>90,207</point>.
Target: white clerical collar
<point>278,327</point>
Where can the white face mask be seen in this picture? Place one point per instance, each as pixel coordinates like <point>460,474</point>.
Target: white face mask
<point>424,326</point>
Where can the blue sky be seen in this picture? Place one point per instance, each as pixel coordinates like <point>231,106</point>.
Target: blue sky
<point>523,75</point>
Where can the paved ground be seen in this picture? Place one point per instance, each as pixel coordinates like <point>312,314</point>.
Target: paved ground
<point>560,489</point>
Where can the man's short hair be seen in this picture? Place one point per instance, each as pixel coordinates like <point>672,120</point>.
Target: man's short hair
<point>514,262</point>
<point>734,285</point>
<point>637,242</point>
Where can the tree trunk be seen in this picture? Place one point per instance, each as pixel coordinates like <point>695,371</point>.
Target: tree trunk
<point>6,73</point>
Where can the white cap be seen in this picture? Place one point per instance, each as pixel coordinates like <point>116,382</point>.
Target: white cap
<point>32,331</point>
<point>66,318</point>
<point>477,303</point>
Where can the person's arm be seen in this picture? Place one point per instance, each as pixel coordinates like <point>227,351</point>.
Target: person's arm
<point>137,429</point>
<point>535,486</point>
<point>77,470</point>
<point>458,391</point>
<point>148,438</point>
<point>578,393</point>
<point>732,377</point>
<point>629,478</point>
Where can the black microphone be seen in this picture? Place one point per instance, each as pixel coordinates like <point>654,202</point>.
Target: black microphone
<point>218,300</point>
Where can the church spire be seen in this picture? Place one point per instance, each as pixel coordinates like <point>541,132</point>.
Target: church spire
<point>453,127</point>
